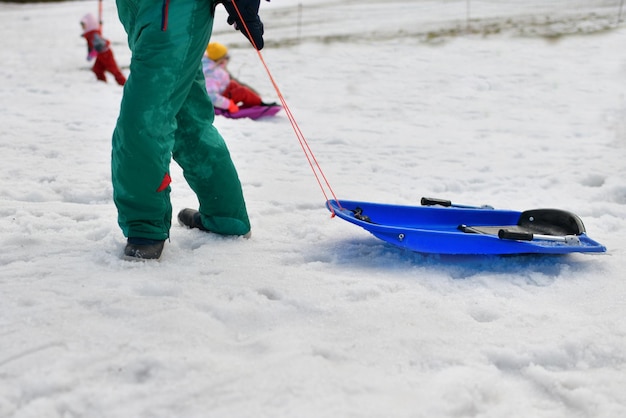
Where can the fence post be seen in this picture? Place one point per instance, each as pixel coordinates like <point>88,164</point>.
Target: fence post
<point>299,23</point>
<point>467,17</point>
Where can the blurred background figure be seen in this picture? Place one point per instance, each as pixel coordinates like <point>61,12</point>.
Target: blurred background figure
<point>100,49</point>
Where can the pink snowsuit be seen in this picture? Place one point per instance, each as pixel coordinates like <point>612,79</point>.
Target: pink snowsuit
<point>222,89</point>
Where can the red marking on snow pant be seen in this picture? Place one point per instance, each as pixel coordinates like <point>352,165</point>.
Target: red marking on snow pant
<point>241,94</point>
<point>166,182</point>
<point>106,62</point>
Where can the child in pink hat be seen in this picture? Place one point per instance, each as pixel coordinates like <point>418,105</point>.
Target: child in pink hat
<point>99,48</point>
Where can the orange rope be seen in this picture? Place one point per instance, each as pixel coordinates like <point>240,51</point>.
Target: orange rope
<point>308,152</point>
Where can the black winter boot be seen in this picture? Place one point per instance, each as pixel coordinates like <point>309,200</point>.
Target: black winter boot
<point>143,249</point>
<point>191,219</point>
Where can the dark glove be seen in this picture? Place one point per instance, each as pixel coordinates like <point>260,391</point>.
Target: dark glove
<point>249,10</point>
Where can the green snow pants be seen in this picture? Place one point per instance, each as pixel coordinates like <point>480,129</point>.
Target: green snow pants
<point>166,112</point>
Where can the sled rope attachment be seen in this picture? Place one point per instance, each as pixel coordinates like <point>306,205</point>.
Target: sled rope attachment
<point>320,177</point>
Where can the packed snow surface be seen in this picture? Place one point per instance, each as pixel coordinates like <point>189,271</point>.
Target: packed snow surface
<point>516,104</point>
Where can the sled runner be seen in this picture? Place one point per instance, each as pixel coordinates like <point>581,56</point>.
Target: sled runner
<point>254,112</point>
<point>441,227</point>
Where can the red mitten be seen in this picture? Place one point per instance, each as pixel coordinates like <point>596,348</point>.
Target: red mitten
<point>232,107</point>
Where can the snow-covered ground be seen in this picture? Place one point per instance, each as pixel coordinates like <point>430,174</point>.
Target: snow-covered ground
<point>481,102</point>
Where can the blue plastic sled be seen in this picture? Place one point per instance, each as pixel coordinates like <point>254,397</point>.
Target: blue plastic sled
<point>440,227</point>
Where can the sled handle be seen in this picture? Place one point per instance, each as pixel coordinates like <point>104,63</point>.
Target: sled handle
<point>432,201</point>
<point>527,236</point>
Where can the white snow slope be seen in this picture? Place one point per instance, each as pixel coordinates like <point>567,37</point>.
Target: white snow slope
<point>516,104</point>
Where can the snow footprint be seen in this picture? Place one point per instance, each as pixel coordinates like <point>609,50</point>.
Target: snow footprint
<point>483,315</point>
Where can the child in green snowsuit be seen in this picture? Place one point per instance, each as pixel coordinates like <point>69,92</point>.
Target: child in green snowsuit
<point>165,112</point>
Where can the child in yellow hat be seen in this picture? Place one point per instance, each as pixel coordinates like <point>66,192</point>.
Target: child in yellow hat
<point>225,92</point>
